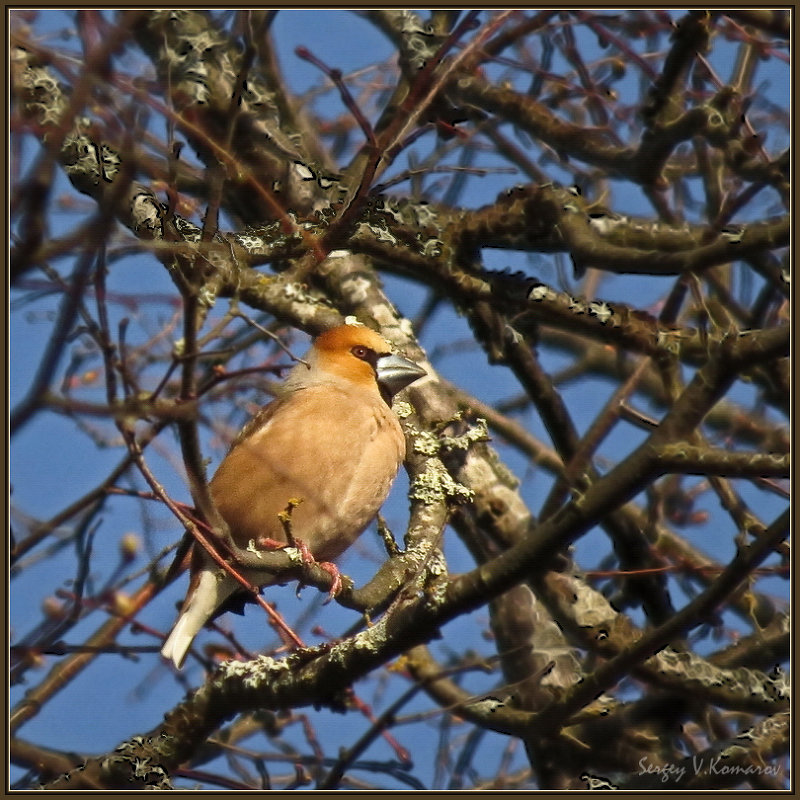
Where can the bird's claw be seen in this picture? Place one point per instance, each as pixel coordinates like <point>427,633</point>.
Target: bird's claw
<point>265,543</point>
<point>333,571</point>
<point>308,558</point>
<point>328,566</point>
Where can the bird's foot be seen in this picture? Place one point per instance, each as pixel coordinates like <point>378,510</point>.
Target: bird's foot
<point>333,571</point>
<point>328,566</point>
<point>266,543</point>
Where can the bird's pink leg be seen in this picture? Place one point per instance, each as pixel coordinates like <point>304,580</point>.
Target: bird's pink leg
<point>333,571</point>
<point>266,543</point>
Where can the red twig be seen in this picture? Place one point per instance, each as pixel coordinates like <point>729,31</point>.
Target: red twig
<point>335,76</point>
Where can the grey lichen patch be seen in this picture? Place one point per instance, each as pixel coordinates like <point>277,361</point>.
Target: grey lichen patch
<point>429,568</point>
<point>477,432</point>
<point>675,451</point>
<point>430,444</point>
<point>252,243</point>
<point>436,485</point>
<point>425,215</point>
<point>602,311</point>
<point>402,409</point>
<point>266,240</point>
<point>294,291</point>
<point>295,555</point>
<point>254,673</point>
<point>130,761</point>
<point>669,341</point>
<point>146,215</point>
<point>437,564</point>
<point>540,292</point>
<point>436,579</point>
<point>369,640</point>
<point>740,681</point>
<point>760,734</point>
<point>356,289</point>
<point>251,548</point>
<point>426,443</point>
<point>45,98</point>
<point>780,686</point>
<point>87,163</point>
<point>576,305</point>
<point>598,783</point>
<point>417,553</point>
<point>591,609</point>
<point>384,315</point>
<point>485,705</point>
<point>379,230</point>
<point>207,297</point>
<point>432,248</point>
<point>406,327</point>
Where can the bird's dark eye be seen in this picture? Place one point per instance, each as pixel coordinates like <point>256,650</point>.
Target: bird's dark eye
<point>364,353</point>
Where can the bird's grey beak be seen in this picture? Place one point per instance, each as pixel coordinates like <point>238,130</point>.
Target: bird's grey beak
<point>396,372</point>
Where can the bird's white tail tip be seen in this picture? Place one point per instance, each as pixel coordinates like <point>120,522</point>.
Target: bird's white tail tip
<point>178,643</point>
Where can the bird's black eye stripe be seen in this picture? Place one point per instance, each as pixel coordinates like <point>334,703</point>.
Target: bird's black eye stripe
<point>367,354</point>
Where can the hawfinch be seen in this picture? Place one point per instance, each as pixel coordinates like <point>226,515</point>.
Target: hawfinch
<point>329,440</point>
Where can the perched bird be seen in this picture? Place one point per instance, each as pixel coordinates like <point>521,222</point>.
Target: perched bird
<point>330,440</point>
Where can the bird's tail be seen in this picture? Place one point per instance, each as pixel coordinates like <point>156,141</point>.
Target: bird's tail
<point>210,591</point>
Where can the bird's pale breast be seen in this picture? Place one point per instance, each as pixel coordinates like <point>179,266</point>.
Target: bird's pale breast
<point>335,449</point>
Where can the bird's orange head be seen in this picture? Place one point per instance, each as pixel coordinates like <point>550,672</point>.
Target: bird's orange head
<point>360,356</point>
